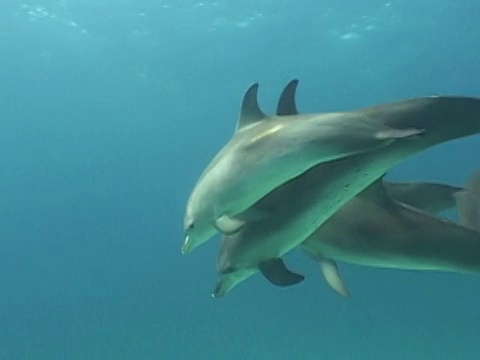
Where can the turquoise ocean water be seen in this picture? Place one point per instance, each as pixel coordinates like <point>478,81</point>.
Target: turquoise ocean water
<point>110,110</point>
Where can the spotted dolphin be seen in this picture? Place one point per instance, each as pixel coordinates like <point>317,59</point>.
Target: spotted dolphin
<point>298,208</point>
<point>267,151</point>
<point>355,214</point>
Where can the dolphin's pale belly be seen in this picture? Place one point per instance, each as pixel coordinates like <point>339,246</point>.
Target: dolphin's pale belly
<point>364,233</point>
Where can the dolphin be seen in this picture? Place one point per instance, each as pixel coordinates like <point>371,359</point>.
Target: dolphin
<point>373,229</point>
<point>299,207</point>
<point>430,197</point>
<point>267,151</point>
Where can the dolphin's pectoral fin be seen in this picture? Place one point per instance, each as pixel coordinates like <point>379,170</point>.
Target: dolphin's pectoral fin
<point>332,276</point>
<point>277,273</point>
<point>394,134</point>
<point>228,225</point>
<point>286,103</point>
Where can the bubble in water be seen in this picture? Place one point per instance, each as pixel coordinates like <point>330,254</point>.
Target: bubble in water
<point>350,36</point>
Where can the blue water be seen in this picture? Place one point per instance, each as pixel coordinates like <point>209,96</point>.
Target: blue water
<point>109,112</point>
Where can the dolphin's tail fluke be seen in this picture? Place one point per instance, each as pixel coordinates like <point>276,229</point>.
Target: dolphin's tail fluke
<point>468,203</point>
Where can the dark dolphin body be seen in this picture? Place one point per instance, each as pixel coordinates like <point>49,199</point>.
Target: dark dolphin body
<point>373,229</point>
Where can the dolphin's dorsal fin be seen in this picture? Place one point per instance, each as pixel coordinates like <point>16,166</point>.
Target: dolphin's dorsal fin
<point>250,112</point>
<point>430,197</point>
<point>286,103</point>
<point>278,274</point>
<point>376,192</point>
<point>229,225</point>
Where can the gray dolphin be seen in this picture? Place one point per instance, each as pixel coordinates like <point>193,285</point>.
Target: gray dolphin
<point>431,197</point>
<point>298,208</point>
<point>374,230</point>
<point>267,151</point>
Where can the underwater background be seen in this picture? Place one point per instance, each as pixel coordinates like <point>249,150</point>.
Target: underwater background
<point>111,109</point>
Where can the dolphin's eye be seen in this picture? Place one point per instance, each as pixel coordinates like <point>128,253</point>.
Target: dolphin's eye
<point>191,226</point>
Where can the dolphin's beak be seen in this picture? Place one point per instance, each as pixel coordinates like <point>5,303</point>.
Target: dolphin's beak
<point>186,247</point>
<point>230,280</point>
<point>219,290</point>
